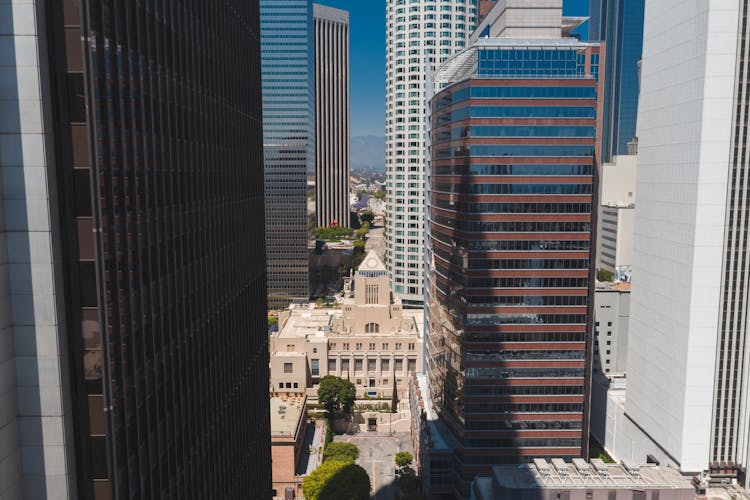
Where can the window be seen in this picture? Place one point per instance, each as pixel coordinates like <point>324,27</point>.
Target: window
<point>398,346</point>
<point>315,367</point>
<point>385,365</point>
<point>358,346</point>
<point>346,346</point>
<point>315,350</point>
<point>412,365</point>
<point>345,365</point>
<point>372,328</point>
<point>411,346</point>
<point>399,365</point>
<point>385,381</point>
<point>372,346</point>
<point>333,346</point>
<point>287,368</point>
<point>296,385</point>
<point>358,364</point>
<point>331,364</point>
<point>371,365</point>
<point>372,382</point>
<point>385,346</point>
<point>290,348</point>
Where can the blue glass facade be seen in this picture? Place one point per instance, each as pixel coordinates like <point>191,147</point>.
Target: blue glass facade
<point>287,55</point>
<point>620,24</point>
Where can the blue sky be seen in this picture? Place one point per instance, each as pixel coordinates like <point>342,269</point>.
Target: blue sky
<point>367,39</point>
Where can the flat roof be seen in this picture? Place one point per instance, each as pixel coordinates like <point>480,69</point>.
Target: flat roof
<point>312,322</point>
<point>581,474</point>
<point>285,415</point>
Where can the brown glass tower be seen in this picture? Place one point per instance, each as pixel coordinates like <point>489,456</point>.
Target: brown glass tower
<point>156,109</point>
<point>513,183</point>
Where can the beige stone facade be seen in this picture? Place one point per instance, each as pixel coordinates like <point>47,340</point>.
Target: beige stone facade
<point>370,340</point>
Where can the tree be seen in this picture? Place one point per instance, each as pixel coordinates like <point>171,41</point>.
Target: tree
<point>319,302</point>
<point>404,459</point>
<point>367,216</point>
<point>394,396</point>
<point>379,195</point>
<point>603,275</point>
<point>341,452</point>
<point>336,394</point>
<point>272,321</point>
<point>336,480</point>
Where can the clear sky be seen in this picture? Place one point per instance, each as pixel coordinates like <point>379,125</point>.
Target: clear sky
<point>367,39</point>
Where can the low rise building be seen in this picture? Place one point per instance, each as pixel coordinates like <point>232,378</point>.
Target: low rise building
<point>582,480</point>
<point>370,340</point>
<point>288,432</point>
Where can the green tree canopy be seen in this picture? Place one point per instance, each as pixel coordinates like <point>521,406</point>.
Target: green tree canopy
<point>404,459</point>
<point>336,394</point>
<point>367,216</point>
<point>336,480</point>
<point>341,452</point>
<point>333,233</point>
<point>603,275</point>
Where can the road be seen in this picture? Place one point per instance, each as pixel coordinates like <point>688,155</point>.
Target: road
<point>376,455</point>
<point>376,241</point>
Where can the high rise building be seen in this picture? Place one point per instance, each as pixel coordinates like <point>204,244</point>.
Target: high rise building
<point>688,349</point>
<point>508,311</point>
<point>420,35</point>
<point>132,271</point>
<point>331,116</point>
<point>620,24</point>
<point>288,62</point>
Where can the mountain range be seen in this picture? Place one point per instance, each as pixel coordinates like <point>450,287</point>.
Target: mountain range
<point>367,153</point>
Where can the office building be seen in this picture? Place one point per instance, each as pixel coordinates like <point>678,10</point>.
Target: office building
<point>617,216</point>
<point>288,62</point>
<point>331,116</point>
<point>133,274</point>
<point>510,236</point>
<point>687,351</point>
<point>419,36</point>
<point>370,340</point>
<point>619,23</point>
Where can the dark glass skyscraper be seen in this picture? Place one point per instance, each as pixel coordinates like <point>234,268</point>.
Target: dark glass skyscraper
<point>513,179</point>
<point>288,61</point>
<point>154,134</point>
<point>620,24</point>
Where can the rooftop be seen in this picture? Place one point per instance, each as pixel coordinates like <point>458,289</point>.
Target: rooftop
<point>310,323</point>
<point>613,286</point>
<point>286,413</point>
<point>580,474</point>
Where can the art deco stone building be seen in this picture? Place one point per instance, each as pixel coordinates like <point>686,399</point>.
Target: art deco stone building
<point>370,340</point>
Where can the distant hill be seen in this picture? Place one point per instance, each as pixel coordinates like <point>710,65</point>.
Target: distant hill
<point>368,153</point>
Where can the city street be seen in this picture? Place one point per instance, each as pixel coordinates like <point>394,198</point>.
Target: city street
<point>376,455</point>
<point>376,241</point>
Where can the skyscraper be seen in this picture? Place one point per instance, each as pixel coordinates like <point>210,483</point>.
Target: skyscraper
<point>331,116</point>
<point>513,176</point>
<point>288,62</point>
<point>688,369</point>
<point>420,35</point>
<point>620,24</point>
<point>134,289</point>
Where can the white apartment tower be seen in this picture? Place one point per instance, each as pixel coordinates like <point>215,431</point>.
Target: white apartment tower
<point>420,34</point>
<point>688,351</point>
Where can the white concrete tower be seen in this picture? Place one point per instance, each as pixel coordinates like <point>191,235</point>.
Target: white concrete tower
<point>688,360</point>
<point>420,34</point>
